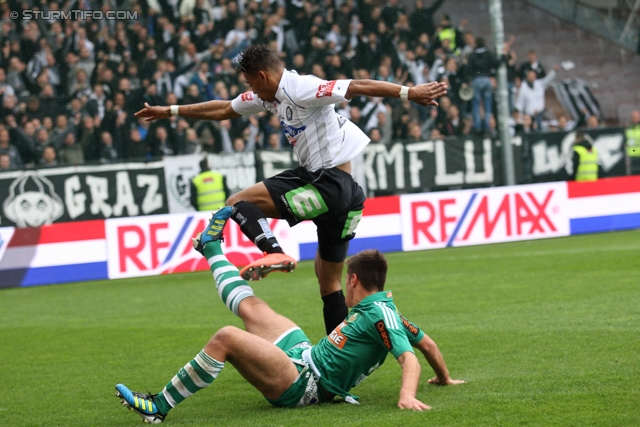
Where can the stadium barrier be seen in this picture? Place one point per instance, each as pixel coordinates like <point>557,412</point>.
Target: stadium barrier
<point>32,198</point>
<point>161,244</point>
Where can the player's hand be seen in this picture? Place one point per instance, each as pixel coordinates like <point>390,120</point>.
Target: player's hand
<point>425,94</point>
<point>407,402</point>
<point>441,381</point>
<point>150,113</point>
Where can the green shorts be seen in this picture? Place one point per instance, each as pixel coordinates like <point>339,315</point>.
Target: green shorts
<point>305,389</point>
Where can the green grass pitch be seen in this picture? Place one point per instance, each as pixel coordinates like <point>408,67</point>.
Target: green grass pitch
<point>546,333</point>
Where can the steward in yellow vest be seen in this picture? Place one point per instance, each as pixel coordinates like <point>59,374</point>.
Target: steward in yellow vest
<point>447,32</point>
<point>633,135</point>
<point>585,159</point>
<point>208,189</point>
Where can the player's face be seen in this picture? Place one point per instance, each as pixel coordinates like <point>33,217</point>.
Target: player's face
<point>259,84</point>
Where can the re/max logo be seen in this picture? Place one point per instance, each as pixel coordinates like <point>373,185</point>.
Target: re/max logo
<point>483,216</point>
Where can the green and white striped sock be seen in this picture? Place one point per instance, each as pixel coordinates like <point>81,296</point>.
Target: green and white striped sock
<point>195,376</point>
<point>231,287</point>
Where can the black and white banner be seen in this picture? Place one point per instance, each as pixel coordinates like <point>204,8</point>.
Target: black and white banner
<point>430,165</point>
<point>550,155</point>
<point>39,197</point>
<point>576,97</point>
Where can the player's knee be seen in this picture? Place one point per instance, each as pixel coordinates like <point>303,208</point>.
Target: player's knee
<point>232,200</point>
<point>224,337</point>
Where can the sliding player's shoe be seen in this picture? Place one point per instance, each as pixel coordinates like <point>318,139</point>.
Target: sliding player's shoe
<point>140,403</point>
<point>214,228</point>
<point>260,268</point>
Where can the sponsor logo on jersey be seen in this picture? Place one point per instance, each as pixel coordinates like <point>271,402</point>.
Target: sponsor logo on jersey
<point>247,96</point>
<point>409,326</point>
<point>384,334</point>
<point>336,337</point>
<point>291,132</point>
<point>325,89</point>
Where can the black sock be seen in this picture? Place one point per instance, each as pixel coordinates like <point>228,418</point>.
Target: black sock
<point>254,224</point>
<point>335,310</point>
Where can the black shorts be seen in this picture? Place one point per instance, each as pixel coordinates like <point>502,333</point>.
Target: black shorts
<point>328,197</point>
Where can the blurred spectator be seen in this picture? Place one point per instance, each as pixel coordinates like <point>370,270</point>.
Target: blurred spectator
<point>49,158</point>
<point>593,123</point>
<point>415,133</point>
<point>435,134</point>
<point>530,99</point>
<point>135,148</point>
<point>5,162</point>
<point>528,125</point>
<point>161,143</point>
<point>633,142</point>
<point>564,124</point>
<point>375,136</point>
<point>532,63</point>
<point>446,35</point>
<point>108,153</point>
<point>421,19</point>
<point>481,65</point>
<point>71,153</point>
<point>453,124</point>
<point>273,142</point>
<point>5,88</point>
<point>41,143</point>
<point>7,148</point>
<point>208,189</point>
<point>585,159</point>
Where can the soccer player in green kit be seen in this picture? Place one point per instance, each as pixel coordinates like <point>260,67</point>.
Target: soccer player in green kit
<point>278,359</point>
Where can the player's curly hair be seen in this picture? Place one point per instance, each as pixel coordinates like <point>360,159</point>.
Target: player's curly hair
<point>371,268</point>
<point>258,58</point>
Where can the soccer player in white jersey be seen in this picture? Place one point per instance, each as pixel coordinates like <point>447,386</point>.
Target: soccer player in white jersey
<point>322,188</point>
<point>276,356</point>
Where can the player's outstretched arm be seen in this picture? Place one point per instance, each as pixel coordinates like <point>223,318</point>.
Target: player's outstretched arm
<point>410,379</point>
<point>431,352</point>
<point>210,110</point>
<point>424,94</point>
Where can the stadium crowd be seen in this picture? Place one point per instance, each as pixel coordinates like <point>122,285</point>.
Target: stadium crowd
<point>69,88</point>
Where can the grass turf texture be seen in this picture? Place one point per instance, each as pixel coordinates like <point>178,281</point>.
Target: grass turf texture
<point>544,332</point>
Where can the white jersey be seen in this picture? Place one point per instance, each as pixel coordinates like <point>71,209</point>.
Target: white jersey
<point>321,138</point>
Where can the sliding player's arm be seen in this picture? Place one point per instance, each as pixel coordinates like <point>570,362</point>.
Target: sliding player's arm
<point>430,351</point>
<point>410,380</point>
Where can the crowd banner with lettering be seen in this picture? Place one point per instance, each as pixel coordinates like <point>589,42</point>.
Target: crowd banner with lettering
<point>548,156</point>
<point>32,198</point>
<point>412,167</point>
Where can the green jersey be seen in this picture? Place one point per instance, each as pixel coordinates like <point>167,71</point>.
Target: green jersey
<point>360,344</point>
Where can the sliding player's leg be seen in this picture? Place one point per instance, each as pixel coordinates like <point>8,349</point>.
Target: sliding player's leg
<point>259,354</point>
